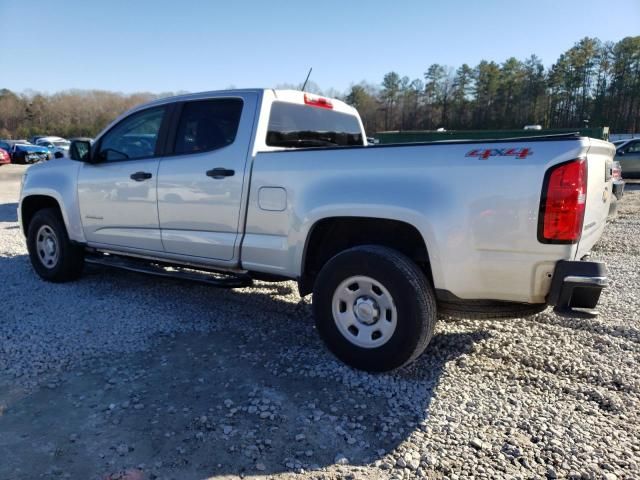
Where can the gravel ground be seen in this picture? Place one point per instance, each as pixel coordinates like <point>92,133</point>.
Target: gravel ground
<point>124,376</point>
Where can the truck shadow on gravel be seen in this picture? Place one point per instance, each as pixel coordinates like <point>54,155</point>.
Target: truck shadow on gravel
<point>238,383</point>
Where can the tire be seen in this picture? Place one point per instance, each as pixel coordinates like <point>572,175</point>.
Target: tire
<point>53,256</point>
<point>387,292</point>
<point>480,309</point>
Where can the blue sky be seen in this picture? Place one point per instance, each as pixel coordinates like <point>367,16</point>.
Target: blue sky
<point>160,46</point>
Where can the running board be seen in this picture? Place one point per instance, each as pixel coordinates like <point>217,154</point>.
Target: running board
<point>220,280</point>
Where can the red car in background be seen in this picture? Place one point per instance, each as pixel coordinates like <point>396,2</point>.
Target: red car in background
<point>4,157</point>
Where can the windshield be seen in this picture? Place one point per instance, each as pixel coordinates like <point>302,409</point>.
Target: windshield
<point>62,143</point>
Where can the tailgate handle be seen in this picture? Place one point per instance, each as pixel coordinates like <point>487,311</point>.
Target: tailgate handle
<point>220,172</point>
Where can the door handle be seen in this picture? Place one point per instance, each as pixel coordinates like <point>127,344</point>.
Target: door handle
<point>220,172</point>
<point>140,176</point>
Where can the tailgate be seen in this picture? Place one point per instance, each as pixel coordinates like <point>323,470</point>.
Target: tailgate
<point>599,185</point>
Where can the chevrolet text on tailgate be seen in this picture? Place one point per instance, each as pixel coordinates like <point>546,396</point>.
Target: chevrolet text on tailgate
<point>226,187</point>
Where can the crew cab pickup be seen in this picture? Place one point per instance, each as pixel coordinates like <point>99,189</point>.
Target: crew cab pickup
<point>231,186</point>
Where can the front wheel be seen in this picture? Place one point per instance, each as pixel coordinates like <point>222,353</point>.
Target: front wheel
<point>374,308</point>
<point>53,256</point>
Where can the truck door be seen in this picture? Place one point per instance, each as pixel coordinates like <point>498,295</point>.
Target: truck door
<point>117,195</point>
<point>200,183</point>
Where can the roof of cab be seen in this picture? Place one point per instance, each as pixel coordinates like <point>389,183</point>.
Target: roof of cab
<point>283,94</point>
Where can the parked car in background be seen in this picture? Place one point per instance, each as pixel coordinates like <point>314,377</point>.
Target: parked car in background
<point>4,157</point>
<point>35,138</point>
<point>22,151</point>
<point>82,139</point>
<point>56,145</point>
<point>8,144</point>
<point>628,154</point>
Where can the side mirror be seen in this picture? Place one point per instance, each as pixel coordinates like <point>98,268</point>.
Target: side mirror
<point>58,155</point>
<point>620,153</point>
<point>80,150</point>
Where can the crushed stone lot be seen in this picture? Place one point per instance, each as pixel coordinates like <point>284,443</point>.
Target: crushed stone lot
<point>124,376</point>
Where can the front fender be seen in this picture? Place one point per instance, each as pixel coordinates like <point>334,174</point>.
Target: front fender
<point>57,180</point>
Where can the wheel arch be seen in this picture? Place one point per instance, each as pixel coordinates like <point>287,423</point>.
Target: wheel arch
<point>31,204</point>
<point>331,235</point>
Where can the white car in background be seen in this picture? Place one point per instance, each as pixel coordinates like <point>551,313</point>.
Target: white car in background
<point>56,145</point>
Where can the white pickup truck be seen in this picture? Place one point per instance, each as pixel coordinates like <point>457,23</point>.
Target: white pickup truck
<point>230,186</point>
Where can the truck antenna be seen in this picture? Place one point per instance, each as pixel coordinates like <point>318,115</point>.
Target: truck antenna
<point>306,79</point>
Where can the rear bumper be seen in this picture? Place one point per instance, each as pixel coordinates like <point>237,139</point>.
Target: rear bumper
<point>577,284</point>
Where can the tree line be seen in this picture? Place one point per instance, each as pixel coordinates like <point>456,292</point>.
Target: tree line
<point>73,113</point>
<point>594,82</point>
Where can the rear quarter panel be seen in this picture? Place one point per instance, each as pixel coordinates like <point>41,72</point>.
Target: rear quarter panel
<point>478,216</point>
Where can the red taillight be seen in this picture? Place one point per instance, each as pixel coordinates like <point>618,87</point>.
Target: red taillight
<point>317,101</point>
<point>564,197</point>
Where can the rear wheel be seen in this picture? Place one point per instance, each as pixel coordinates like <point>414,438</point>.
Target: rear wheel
<point>374,308</point>
<point>53,256</point>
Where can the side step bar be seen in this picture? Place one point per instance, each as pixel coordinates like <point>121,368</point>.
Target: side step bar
<point>220,280</point>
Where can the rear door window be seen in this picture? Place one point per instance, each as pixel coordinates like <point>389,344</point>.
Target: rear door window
<point>293,125</point>
<point>207,125</point>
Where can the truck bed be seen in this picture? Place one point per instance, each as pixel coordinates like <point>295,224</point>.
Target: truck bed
<point>476,205</point>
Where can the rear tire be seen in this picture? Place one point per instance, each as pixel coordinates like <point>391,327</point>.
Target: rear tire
<point>53,256</point>
<point>374,308</point>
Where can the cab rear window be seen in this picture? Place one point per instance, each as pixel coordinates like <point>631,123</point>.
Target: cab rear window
<point>292,125</point>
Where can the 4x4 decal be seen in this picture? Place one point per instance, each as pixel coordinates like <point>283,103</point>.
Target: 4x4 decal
<point>483,154</point>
